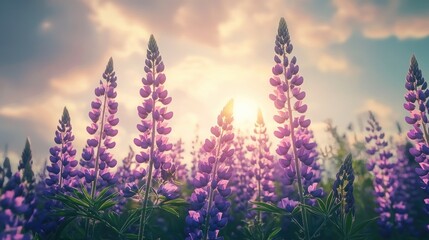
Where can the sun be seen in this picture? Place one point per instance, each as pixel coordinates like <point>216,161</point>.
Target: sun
<point>245,112</point>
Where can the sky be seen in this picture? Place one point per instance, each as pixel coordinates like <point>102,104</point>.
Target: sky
<point>353,55</point>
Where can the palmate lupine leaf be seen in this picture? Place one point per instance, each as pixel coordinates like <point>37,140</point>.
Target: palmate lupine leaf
<point>79,204</point>
<point>271,208</point>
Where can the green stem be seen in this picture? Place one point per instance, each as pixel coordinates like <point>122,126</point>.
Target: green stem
<point>259,218</point>
<point>62,157</point>
<point>211,194</point>
<point>149,177</point>
<point>97,155</point>
<point>97,158</point>
<point>297,163</point>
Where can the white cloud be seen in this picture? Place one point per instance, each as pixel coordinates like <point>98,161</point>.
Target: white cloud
<point>333,64</point>
<point>381,20</point>
<point>383,112</point>
<point>126,34</point>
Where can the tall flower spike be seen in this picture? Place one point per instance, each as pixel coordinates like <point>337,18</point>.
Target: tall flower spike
<point>382,168</point>
<point>262,162</point>
<point>14,208</point>
<point>343,187</point>
<point>17,201</point>
<point>417,104</point>
<point>62,168</point>
<point>294,149</point>
<point>26,164</point>
<point>96,156</point>
<point>153,141</point>
<point>242,182</point>
<point>405,181</point>
<point>178,168</point>
<point>209,204</point>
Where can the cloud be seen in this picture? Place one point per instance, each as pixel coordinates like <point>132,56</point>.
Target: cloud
<point>383,19</point>
<point>126,35</point>
<point>383,112</point>
<point>334,64</point>
<point>190,19</point>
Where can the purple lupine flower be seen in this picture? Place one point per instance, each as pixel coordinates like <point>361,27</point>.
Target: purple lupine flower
<point>153,141</point>
<point>262,163</point>
<point>296,148</point>
<point>126,181</point>
<point>208,203</point>
<point>178,170</point>
<point>242,183</point>
<point>311,174</point>
<point>197,152</point>
<point>13,208</point>
<point>17,201</point>
<point>96,158</point>
<point>403,187</point>
<point>382,168</point>
<point>62,168</point>
<point>343,187</point>
<point>287,204</point>
<point>417,103</point>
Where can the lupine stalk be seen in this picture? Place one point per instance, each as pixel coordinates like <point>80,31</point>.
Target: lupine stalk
<point>196,152</point>
<point>404,181</point>
<point>62,159</point>
<point>242,183</point>
<point>417,104</point>
<point>26,165</point>
<point>208,211</point>
<point>17,201</point>
<point>262,162</point>
<point>96,157</point>
<point>294,149</point>
<point>382,167</point>
<point>343,188</point>
<point>178,169</point>
<point>13,208</point>
<point>153,129</point>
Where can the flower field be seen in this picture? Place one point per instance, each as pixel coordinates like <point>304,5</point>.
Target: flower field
<point>257,185</point>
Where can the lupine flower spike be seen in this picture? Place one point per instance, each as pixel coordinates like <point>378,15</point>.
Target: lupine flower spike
<point>417,104</point>
<point>242,183</point>
<point>382,167</point>
<point>262,162</point>
<point>343,187</point>
<point>62,168</point>
<point>153,112</point>
<point>96,157</point>
<point>209,204</point>
<point>295,149</point>
<point>17,201</point>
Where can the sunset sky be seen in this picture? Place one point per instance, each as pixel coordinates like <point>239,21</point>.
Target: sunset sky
<point>353,54</point>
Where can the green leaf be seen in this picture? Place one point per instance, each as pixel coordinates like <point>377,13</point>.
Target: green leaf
<point>312,209</point>
<point>107,204</point>
<point>349,222</point>
<point>296,210</point>
<point>321,205</point>
<point>335,208</point>
<point>329,201</point>
<point>175,202</point>
<point>77,201</point>
<point>131,219</point>
<point>268,207</point>
<point>170,210</point>
<point>362,225</point>
<point>274,232</point>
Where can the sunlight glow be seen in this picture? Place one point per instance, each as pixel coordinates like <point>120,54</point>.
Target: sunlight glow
<point>245,113</point>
